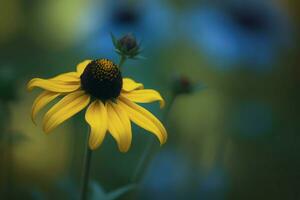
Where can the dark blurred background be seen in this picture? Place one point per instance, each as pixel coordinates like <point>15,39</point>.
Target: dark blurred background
<point>236,139</point>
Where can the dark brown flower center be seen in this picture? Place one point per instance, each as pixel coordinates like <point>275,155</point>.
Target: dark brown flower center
<point>102,79</point>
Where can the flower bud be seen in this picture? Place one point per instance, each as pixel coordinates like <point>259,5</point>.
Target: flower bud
<point>183,85</point>
<point>128,42</point>
<point>126,46</point>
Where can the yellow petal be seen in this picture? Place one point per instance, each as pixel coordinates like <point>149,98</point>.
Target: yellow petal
<point>144,96</point>
<point>81,66</point>
<point>96,117</point>
<point>53,85</point>
<point>41,101</point>
<point>119,126</point>
<point>129,85</point>
<point>65,109</point>
<point>67,77</point>
<point>144,119</point>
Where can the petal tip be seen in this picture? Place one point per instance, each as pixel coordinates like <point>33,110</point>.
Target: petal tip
<point>33,121</point>
<point>29,87</point>
<point>162,104</point>
<point>33,117</point>
<point>124,150</point>
<point>162,142</point>
<point>93,147</point>
<point>46,131</point>
<point>163,139</point>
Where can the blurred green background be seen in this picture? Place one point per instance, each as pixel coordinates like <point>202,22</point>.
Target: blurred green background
<point>236,139</point>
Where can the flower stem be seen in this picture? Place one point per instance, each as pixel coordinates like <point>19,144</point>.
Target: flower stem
<point>86,172</point>
<point>8,159</point>
<point>122,61</point>
<point>144,159</point>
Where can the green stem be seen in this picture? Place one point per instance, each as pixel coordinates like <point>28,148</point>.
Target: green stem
<point>86,172</point>
<point>144,159</point>
<point>8,139</point>
<point>122,61</point>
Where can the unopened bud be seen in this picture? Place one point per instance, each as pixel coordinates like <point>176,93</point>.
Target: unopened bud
<point>127,46</point>
<point>184,85</point>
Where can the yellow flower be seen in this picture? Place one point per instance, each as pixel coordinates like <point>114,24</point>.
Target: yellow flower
<point>111,102</point>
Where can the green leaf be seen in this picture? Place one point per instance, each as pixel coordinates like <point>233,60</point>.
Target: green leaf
<point>139,57</point>
<point>120,191</point>
<point>118,51</point>
<point>97,192</point>
<point>135,49</point>
<point>114,40</point>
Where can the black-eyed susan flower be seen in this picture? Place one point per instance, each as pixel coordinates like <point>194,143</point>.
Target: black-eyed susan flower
<point>111,101</point>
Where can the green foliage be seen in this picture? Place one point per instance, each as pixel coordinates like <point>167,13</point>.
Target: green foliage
<point>99,193</point>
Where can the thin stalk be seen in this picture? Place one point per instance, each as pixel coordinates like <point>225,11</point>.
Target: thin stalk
<point>8,139</point>
<point>144,159</point>
<point>122,61</point>
<point>86,172</point>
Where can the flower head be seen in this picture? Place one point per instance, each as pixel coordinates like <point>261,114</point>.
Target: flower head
<point>128,42</point>
<point>111,101</point>
<point>127,46</point>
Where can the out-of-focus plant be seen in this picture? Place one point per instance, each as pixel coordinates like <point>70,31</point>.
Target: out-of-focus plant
<point>97,192</point>
<point>11,19</point>
<point>8,94</point>
<point>180,85</point>
<point>239,34</point>
<point>70,190</point>
<point>56,27</point>
<point>8,84</point>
